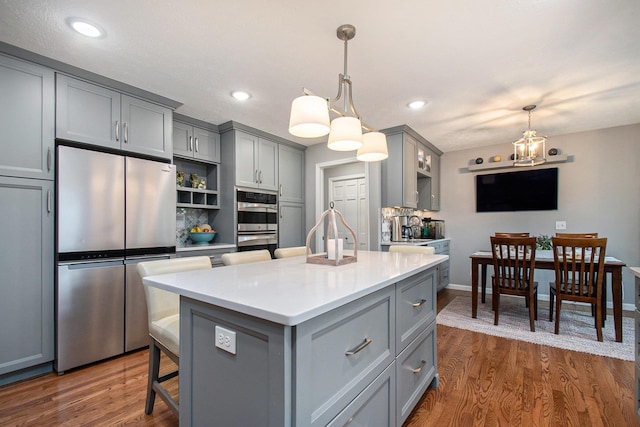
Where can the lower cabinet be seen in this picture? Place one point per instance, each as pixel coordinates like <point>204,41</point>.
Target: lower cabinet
<point>347,366</point>
<point>27,270</point>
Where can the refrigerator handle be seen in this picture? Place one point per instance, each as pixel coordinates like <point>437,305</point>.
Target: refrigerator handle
<point>117,131</point>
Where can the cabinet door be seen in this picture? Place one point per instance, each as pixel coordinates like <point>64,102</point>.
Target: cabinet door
<point>26,119</point>
<point>26,267</point>
<point>182,140</point>
<point>410,190</point>
<point>206,145</point>
<point>268,164</point>
<point>87,113</point>
<point>291,174</point>
<point>291,225</point>
<point>246,166</point>
<point>435,182</point>
<point>146,128</point>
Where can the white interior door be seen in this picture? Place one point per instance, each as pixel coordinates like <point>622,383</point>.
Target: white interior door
<point>350,198</point>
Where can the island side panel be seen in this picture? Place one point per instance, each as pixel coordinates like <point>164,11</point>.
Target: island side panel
<point>251,387</point>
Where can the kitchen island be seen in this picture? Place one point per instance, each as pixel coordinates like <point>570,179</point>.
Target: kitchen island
<point>288,343</point>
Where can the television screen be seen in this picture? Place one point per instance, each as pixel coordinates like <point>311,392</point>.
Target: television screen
<point>527,190</point>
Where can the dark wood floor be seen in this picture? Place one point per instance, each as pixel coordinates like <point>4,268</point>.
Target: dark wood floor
<point>484,381</point>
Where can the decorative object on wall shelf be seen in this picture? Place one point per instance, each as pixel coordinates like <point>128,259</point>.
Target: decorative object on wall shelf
<point>508,164</point>
<point>334,255</point>
<point>553,151</point>
<point>193,179</point>
<point>180,178</point>
<point>530,150</point>
<point>310,116</point>
<point>202,184</point>
<point>479,161</point>
<point>496,159</point>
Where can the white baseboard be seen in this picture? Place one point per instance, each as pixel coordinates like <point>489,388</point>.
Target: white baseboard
<point>541,297</point>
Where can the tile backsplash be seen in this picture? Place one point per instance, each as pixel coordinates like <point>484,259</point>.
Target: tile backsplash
<point>185,219</point>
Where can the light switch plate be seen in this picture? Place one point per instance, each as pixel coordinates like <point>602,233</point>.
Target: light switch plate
<point>226,339</point>
<point>561,225</point>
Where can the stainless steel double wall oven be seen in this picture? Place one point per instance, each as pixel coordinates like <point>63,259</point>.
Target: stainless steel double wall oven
<point>257,220</point>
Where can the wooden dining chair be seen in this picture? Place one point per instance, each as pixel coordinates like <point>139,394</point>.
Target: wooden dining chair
<point>579,267</point>
<point>500,234</point>
<point>514,260</point>
<point>577,235</point>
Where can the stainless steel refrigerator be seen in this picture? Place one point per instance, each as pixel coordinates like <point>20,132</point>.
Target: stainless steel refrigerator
<point>112,212</point>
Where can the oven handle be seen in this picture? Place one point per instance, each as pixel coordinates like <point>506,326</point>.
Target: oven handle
<point>256,207</point>
<point>257,240</point>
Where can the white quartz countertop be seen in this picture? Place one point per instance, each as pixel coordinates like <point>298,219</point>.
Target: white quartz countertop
<point>207,246</point>
<point>413,242</point>
<point>290,291</point>
<point>635,271</point>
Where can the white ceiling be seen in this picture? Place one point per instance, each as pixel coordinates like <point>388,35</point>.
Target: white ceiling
<point>476,63</point>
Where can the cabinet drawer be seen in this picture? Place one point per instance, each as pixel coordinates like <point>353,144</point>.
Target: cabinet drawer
<point>375,406</point>
<point>338,354</point>
<point>415,306</point>
<point>415,369</point>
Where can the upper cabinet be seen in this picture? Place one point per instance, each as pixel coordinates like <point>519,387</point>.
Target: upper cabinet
<point>27,119</point>
<point>256,161</point>
<point>197,143</point>
<point>411,173</point>
<point>291,174</point>
<point>97,115</point>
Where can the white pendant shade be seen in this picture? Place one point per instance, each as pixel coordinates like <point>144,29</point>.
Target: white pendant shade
<point>309,117</point>
<point>374,147</point>
<point>346,134</point>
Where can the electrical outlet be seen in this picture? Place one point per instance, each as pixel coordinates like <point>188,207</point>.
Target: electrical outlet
<point>226,339</point>
<point>561,225</point>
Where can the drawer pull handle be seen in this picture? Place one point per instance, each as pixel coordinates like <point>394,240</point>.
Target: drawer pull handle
<point>419,369</point>
<point>419,303</point>
<point>365,343</point>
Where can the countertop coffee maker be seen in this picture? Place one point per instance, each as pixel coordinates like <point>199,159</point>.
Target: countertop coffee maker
<point>399,226</point>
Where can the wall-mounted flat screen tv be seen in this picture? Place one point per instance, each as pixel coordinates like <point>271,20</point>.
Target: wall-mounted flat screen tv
<point>527,190</point>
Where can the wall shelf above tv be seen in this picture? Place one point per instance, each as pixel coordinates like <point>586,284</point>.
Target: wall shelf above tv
<point>508,164</point>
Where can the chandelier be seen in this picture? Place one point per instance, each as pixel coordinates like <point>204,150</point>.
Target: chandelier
<point>310,116</point>
<point>530,149</point>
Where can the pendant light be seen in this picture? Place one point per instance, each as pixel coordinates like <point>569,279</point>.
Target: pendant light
<point>310,116</point>
<point>530,150</point>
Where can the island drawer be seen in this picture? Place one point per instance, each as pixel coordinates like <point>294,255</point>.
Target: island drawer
<point>376,405</point>
<point>338,354</point>
<point>415,369</point>
<point>415,306</point>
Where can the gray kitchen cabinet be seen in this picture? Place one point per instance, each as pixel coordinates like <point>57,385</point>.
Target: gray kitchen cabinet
<point>291,230</point>
<point>291,174</point>
<point>442,248</point>
<point>27,270</point>
<point>399,176</point>
<point>27,119</point>
<point>369,361</point>
<point>192,142</point>
<point>97,115</point>
<point>411,173</point>
<point>256,161</point>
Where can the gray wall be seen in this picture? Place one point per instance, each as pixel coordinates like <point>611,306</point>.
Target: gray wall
<point>599,190</point>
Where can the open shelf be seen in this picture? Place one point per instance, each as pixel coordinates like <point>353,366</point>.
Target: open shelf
<point>508,164</point>
<point>197,198</point>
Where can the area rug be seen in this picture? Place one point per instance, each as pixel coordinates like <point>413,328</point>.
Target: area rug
<point>577,331</point>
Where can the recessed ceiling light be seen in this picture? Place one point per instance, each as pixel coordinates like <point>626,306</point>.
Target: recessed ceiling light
<point>240,95</point>
<point>85,27</point>
<point>416,105</point>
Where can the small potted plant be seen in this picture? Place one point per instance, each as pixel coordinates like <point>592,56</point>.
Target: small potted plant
<point>543,242</point>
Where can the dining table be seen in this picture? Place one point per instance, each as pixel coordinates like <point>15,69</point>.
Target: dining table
<point>544,261</point>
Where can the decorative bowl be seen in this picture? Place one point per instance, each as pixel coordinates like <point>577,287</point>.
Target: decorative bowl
<point>202,237</point>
